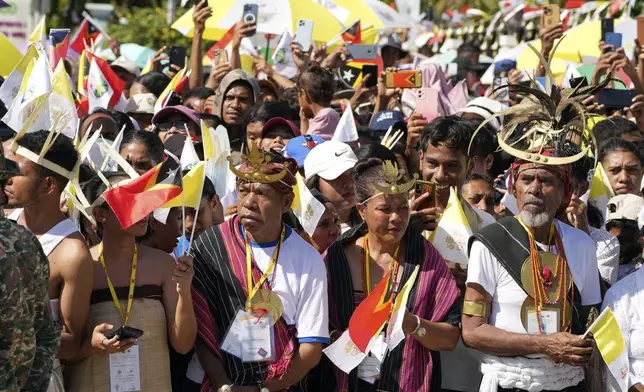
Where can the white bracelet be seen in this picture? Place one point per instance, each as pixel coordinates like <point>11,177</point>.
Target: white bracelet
<point>417,325</point>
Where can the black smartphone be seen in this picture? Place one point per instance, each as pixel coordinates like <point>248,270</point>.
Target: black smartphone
<point>178,56</point>
<point>125,333</point>
<point>249,15</point>
<point>616,99</point>
<point>173,100</point>
<point>372,71</point>
<point>608,26</point>
<point>580,81</point>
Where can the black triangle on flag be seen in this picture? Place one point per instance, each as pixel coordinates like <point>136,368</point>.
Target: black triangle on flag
<point>349,75</point>
<point>353,33</point>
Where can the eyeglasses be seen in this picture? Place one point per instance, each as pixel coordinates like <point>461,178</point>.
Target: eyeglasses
<point>167,125</point>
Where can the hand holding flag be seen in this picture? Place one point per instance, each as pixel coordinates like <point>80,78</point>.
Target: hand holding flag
<point>453,232</point>
<point>610,342</point>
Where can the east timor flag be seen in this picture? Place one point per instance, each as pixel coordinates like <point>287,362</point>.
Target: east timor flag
<point>137,199</point>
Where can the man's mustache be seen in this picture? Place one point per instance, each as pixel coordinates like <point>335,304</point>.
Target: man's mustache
<point>533,200</point>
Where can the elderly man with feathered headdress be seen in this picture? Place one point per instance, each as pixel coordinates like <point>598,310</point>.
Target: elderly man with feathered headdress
<point>533,280</point>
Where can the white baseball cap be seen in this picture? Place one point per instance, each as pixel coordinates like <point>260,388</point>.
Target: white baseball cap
<point>486,108</point>
<point>627,207</point>
<point>329,160</point>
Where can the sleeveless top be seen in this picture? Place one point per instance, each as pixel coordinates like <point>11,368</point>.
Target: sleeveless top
<point>49,241</point>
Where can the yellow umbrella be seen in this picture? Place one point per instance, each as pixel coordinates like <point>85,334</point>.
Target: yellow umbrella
<point>582,40</point>
<point>372,12</point>
<point>10,56</point>
<point>274,16</point>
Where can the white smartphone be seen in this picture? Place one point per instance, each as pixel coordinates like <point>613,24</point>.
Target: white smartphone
<point>362,51</point>
<point>503,92</point>
<point>304,34</point>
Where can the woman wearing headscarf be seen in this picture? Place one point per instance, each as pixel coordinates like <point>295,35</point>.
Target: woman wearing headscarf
<point>386,249</point>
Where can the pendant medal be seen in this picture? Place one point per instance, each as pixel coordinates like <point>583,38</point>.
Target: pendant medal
<point>264,302</point>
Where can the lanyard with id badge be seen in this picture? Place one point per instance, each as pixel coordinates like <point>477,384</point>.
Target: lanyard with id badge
<point>369,368</point>
<point>250,336</point>
<point>547,280</point>
<point>125,373</point>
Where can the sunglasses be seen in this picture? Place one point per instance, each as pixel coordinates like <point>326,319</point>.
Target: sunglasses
<point>167,125</point>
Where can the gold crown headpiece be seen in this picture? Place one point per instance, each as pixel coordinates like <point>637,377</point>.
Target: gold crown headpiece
<point>255,161</point>
<point>393,176</point>
<point>546,118</point>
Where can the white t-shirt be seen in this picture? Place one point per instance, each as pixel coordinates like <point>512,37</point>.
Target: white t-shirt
<point>300,282</point>
<point>626,300</point>
<point>508,296</point>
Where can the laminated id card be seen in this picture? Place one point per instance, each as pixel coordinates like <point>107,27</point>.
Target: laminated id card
<point>124,371</point>
<point>548,320</point>
<point>250,337</point>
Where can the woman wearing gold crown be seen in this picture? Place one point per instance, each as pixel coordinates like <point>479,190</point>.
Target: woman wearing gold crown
<point>385,252</point>
<point>532,280</point>
<point>260,290</point>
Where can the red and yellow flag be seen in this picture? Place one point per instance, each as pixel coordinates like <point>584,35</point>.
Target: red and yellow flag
<point>135,200</point>
<point>369,317</point>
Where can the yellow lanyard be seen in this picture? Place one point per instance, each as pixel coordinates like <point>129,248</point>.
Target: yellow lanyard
<point>115,298</point>
<point>367,267</point>
<point>249,267</point>
<point>552,231</point>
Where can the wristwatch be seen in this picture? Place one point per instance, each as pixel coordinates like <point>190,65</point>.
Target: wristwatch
<point>226,388</point>
<point>419,330</point>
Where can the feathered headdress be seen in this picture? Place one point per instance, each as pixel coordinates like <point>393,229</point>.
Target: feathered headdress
<point>545,119</point>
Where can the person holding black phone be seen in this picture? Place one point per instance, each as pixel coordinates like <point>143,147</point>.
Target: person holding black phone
<point>140,305</point>
<point>445,162</point>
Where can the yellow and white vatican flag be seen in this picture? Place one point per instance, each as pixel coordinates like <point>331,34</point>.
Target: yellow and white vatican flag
<point>34,89</point>
<point>395,333</point>
<point>11,86</point>
<point>61,102</point>
<point>10,56</point>
<point>610,342</point>
<point>306,207</point>
<point>600,190</point>
<point>216,148</point>
<point>453,232</point>
<point>39,32</point>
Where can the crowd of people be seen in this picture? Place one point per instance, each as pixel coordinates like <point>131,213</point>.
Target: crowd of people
<point>237,293</point>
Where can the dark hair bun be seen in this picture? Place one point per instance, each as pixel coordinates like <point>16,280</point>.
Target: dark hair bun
<point>364,165</point>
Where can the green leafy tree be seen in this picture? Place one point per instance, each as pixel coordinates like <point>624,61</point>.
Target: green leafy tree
<point>147,27</point>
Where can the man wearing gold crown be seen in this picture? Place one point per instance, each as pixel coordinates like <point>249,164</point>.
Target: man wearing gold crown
<point>256,281</point>
<point>531,283</point>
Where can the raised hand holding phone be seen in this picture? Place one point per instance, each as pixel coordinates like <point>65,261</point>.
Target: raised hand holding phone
<point>200,15</point>
<point>304,34</point>
<point>427,102</point>
<point>249,17</point>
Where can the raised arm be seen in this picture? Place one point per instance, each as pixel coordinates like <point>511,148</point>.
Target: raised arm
<point>200,14</point>
<point>177,301</point>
